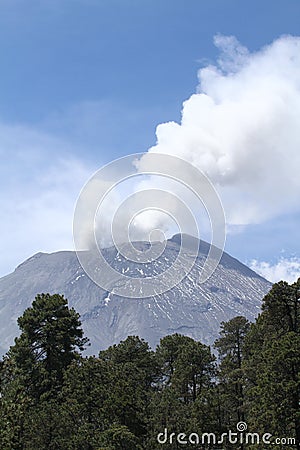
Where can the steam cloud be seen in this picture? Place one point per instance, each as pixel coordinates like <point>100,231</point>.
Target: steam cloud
<point>241,128</point>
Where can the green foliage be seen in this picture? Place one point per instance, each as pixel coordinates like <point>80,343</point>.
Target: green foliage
<point>50,339</point>
<point>272,364</point>
<point>51,397</point>
<point>168,351</point>
<point>230,346</point>
<point>118,437</point>
<point>84,400</point>
<point>132,375</point>
<point>33,370</point>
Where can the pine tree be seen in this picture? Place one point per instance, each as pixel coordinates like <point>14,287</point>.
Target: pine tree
<point>51,336</point>
<point>33,370</point>
<point>182,402</point>
<point>85,403</point>
<point>230,346</point>
<point>194,371</point>
<point>272,364</point>
<point>133,371</point>
<point>167,354</point>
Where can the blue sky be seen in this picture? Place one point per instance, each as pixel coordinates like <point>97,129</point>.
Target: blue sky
<point>87,81</point>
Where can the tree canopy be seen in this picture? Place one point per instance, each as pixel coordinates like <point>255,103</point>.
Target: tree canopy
<point>54,397</point>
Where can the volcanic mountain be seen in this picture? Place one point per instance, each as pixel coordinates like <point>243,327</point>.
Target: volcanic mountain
<point>191,307</point>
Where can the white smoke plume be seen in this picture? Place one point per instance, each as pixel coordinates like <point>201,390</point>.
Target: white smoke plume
<point>241,128</point>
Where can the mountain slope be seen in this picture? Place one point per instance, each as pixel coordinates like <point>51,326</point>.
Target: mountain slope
<point>189,308</point>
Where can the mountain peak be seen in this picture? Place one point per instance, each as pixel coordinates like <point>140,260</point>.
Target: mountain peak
<point>190,307</point>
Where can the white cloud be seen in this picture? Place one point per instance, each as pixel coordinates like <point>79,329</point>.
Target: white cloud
<point>242,129</point>
<point>40,182</point>
<point>286,269</point>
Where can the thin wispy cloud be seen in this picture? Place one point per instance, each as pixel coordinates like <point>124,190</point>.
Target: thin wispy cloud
<point>40,182</point>
<point>287,269</point>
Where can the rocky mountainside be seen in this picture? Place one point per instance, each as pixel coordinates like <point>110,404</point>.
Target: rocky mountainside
<point>190,308</point>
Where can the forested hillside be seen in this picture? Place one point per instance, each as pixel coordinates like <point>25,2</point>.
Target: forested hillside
<point>182,395</point>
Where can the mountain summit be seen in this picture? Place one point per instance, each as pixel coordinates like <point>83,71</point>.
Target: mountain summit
<point>190,308</point>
